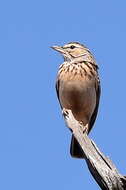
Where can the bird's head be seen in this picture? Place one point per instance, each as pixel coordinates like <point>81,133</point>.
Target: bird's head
<point>73,50</point>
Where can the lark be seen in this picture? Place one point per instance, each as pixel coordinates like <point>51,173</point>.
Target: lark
<point>78,87</point>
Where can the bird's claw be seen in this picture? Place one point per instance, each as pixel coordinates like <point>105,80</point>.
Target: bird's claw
<point>85,130</point>
<point>65,113</point>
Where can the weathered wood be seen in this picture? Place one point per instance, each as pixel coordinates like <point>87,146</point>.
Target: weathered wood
<point>100,166</point>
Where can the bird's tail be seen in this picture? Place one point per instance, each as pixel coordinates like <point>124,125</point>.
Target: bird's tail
<point>75,149</point>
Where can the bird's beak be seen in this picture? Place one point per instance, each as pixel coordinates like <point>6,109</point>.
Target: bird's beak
<point>58,48</point>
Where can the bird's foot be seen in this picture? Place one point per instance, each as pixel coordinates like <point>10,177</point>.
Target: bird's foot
<point>65,112</point>
<point>84,128</point>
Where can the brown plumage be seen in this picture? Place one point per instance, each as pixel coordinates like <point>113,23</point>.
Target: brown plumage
<point>78,87</point>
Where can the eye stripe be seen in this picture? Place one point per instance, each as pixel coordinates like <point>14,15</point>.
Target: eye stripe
<point>72,47</point>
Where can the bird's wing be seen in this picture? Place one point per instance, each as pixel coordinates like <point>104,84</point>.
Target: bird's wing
<point>57,90</point>
<point>94,115</point>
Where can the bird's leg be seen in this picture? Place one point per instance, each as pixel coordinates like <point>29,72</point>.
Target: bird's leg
<point>85,129</point>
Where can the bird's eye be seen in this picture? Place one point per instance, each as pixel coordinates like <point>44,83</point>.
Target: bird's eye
<point>72,47</point>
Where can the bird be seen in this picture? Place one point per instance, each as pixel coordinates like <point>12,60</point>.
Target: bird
<point>78,87</point>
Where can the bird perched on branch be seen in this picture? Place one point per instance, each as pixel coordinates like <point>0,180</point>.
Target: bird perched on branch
<point>78,87</point>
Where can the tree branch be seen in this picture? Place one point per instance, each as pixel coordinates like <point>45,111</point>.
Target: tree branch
<point>100,166</point>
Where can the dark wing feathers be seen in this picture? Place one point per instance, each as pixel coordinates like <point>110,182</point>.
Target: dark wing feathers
<point>57,90</point>
<point>94,115</point>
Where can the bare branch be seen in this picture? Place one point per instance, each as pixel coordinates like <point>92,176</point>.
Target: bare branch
<point>100,166</point>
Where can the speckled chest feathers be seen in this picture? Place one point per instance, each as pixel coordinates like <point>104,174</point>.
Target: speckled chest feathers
<point>75,71</point>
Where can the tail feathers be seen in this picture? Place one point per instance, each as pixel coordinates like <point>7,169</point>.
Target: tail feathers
<point>75,149</point>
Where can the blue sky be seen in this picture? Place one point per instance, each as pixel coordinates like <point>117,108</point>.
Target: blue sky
<point>34,141</point>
